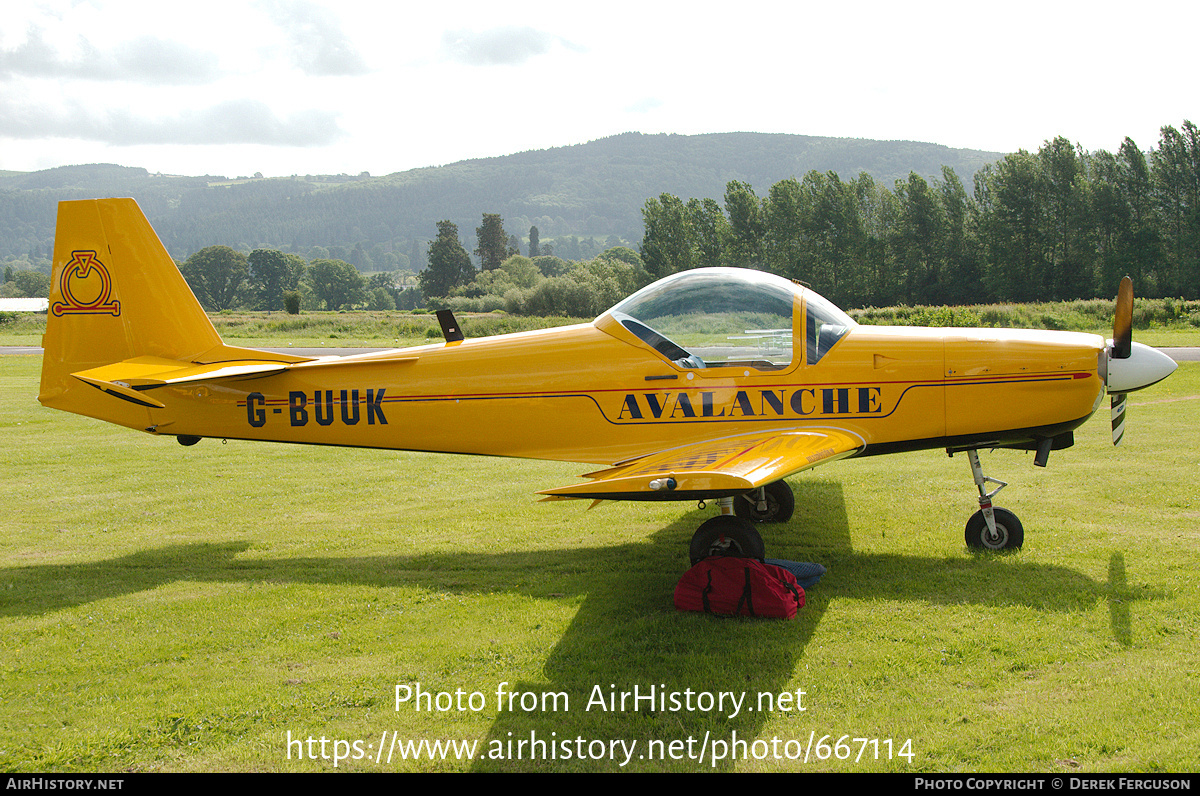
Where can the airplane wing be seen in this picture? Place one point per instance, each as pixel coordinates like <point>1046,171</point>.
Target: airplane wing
<point>714,468</point>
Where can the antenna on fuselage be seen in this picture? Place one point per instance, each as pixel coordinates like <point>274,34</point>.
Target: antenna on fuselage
<point>450,328</point>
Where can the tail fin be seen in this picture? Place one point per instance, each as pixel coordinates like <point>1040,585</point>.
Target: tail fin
<point>115,295</point>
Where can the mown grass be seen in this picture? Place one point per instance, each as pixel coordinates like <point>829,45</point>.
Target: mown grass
<point>182,609</point>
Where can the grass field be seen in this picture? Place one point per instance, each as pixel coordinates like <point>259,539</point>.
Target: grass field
<point>184,609</point>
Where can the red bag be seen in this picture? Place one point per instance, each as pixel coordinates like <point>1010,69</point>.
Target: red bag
<point>732,586</point>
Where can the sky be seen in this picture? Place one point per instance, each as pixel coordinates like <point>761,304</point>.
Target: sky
<point>315,87</point>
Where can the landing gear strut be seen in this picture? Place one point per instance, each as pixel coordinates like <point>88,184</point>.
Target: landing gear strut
<point>771,503</point>
<point>991,528</point>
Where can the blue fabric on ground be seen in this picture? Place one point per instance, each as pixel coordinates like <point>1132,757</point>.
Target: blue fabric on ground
<point>806,574</point>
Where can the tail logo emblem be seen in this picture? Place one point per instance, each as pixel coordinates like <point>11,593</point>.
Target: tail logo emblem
<point>86,287</point>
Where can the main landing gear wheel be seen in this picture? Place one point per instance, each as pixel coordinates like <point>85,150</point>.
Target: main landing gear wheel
<point>726,534</point>
<point>771,503</point>
<point>1009,533</point>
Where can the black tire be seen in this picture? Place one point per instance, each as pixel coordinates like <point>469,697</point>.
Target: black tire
<point>726,535</point>
<point>779,499</point>
<point>1008,530</point>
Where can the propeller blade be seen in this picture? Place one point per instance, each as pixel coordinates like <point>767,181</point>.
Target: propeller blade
<point>1118,418</point>
<point>1123,320</point>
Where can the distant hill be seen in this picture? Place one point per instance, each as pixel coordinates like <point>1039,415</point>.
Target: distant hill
<point>594,190</point>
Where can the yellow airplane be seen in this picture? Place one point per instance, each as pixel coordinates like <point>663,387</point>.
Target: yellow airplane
<point>708,385</point>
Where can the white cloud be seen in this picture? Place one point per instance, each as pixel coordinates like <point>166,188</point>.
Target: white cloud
<point>243,121</point>
<point>145,59</point>
<point>503,46</point>
<point>645,105</point>
<point>319,46</point>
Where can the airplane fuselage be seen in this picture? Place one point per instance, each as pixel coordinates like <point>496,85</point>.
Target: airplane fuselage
<point>601,396</point>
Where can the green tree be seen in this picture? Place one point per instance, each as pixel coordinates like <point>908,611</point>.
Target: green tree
<point>609,279</point>
<point>1064,196</point>
<point>960,245</point>
<point>273,273</point>
<point>493,242</point>
<point>549,265</point>
<point>380,299</point>
<point>624,254</point>
<point>449,264</point>
<point>32,284</point>
<point>785,218</point>
<point>709,230</point>
<point>521,271</point>
<point>216,275</point>
<point>409,299</point>
<point>1177,196</point>
<point>560,295</point>
<point>1011,227</point>
<point>918,241</point>
<point>747,227</point>
<point>1140,247</point>
<point>337,283</point>
<point>386,281</point>
<point>291,302</point>
<point>832,231</point>
<point>534,247</point>
<point>667,244</point>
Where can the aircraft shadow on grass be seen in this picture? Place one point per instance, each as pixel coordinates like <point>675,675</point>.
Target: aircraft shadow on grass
<point>626,621</point>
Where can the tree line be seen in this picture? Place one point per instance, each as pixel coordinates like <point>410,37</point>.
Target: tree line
<point>224,278</point>
<point>267,279</point>
<point>586,191</point>
<point>540,284</point>
<point>1058,224</point>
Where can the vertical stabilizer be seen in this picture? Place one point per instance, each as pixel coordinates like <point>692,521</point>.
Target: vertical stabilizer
<point>115,294</point>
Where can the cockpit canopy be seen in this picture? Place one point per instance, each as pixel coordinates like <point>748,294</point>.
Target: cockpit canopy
<point>729,317</point>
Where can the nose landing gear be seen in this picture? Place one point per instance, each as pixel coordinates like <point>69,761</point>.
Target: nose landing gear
<point>991,528</point>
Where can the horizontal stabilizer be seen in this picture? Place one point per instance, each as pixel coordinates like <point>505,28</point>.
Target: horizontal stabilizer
<point>131,378</point>
<point>146,373</point>
<point>123,391</point>
<point>359,360</point>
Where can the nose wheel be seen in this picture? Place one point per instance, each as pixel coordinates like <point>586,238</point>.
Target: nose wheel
<point>1005,532</point>
<point>991,528</point>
